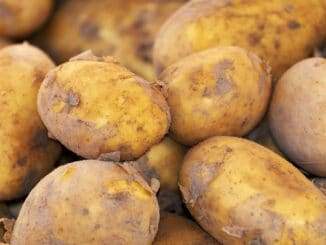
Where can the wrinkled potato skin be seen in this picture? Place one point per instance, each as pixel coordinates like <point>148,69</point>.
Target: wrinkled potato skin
<point>220,91</point>
<point>96,108</point>
<point>298,115</point>
<point>243,193</point>
<point>176,230</point>
<point>124,29</point>
<point>20,18</point>
<point>271,29</point>
<point>320,183</point>
<point>27,154</point>
<point>89,202</point>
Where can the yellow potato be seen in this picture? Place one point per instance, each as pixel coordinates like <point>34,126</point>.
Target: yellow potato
<point>89,202</point>
<point>297,115</point>
<point>99,109</point>
<point>176,230</point>
<point>220,91</point>
<point>20,18</point>
<point>26,153</point>
<point>243,193</point>
<point>124,29</point>
<point>282,32</point>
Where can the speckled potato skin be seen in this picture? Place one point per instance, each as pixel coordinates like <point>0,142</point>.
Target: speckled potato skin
<point>89,202</point>
<point>280,31</point>
<point>26,152</point>
<point>99,109</point>
<point>297,115</point>
<point>21,18</point>
<point>220,91</point>
<point>243,193</point>
<point>124,29</point>
<point>176,230</point>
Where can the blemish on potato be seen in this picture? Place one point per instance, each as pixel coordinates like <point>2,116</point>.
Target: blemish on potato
<point>68,173</point>
<point>277,44</point>
<point>293,24</point>
<point>22,161</point>
<point>289,8</point>
<point>89,30</point>
<point>145,51</point>
<point>223,84</point>
<point>254,38</point>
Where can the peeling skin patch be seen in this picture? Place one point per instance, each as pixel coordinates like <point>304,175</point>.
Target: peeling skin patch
<point>40,139</point>
<point>72,100</point>
<point>293,25</point>
<point>89,30</point>
<point>223,84</point>
<point>112,156</point>
<point>143,168</point>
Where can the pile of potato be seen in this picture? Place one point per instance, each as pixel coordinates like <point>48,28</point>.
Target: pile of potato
<point>162,122</point>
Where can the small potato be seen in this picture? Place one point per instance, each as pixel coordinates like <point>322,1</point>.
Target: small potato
<point>297,116</point>
<point>282,32</point>
<point>89,202</point>
<point>99,109</point>
<point>20,18</point>
<point>220,91</point>
<point>320,183</point>
<point>176,230</point>
<point>243,193</point>
<point>26,152</point>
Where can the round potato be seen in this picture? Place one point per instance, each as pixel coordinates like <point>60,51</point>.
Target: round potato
<point>220,91</point>
<point>282,32</point>
<point>124,29</point>
<point>243,193</point>
<point>99,109</point>
<point>298,115</point>
<point>176,230</point>
<point>320,183</point>
<point>20,18</point>
<point>26,152</point>
<point>89,202</point>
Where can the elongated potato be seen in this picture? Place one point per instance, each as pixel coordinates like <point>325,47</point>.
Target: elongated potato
<point>124,29</point>
<point>297,115</point>
<point>220,91</point>
<point>243,193</point>
<point>99,109</point>
<point>89,202</point>
<point>20,18</point>
<point>176,230</point>
<point>282,32</point>
<point>26,152</point>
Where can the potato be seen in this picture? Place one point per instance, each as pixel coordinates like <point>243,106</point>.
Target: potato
<point>176,230</point>
<point>21,18</point>
<point>220,91</point>
<point>282,32</point>
<point>99,109</point>
<point>297,115</point>
<point>4,43</point>
<point>320,183</point>
<point>89,202</point>
<point>243,193</point>
<point>26,153</point>
<point>124,29</point>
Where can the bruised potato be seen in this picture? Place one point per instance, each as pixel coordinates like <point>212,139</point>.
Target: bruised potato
<point>26,152</point>
<point>89,202</point>
<point>176,230</point>
<point>243,193</point>
<point>298,115</point>
<point>21,18</point>
<point>220,91</point>
<point>99,109</point>
<point>282,32</point>
<point>124,29</point>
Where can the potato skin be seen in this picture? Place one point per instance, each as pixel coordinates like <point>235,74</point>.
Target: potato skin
<point>89,202</point>
<point>176,230</point>
<point>207,94</point>
<point>4,43</point>
<point>21,18</point>
<point>99,109</point>
<point>124,29</point>
<point>298,115</point>
<point>28,153</point>
<point>243,193</point>
<point>268,28</point>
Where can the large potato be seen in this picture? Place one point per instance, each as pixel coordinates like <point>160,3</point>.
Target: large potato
<point>20,18</point>
<point>26,153</point>
<point>298,115</point>
<point>243,193</point>
<point>89,202</point>
<point>176,230</point>
<point>124,29</point>
<point>220,91</point>
<point>99,109</point>
<point>282,32</point>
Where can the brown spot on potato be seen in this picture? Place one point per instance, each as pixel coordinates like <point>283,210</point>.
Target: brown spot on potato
<point>206,92</point>
<point>289,8</point>
<point>22,161</point>
<point>145,51</point>
<point>40,139</point>
<point>72,100</point>
<point>277,44</point>
<point>89,30</point>
<point>223,84</point>
<point>254,38</point>
<point>245,122</point>
<point>293,24</point>
<point>85,211</point>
